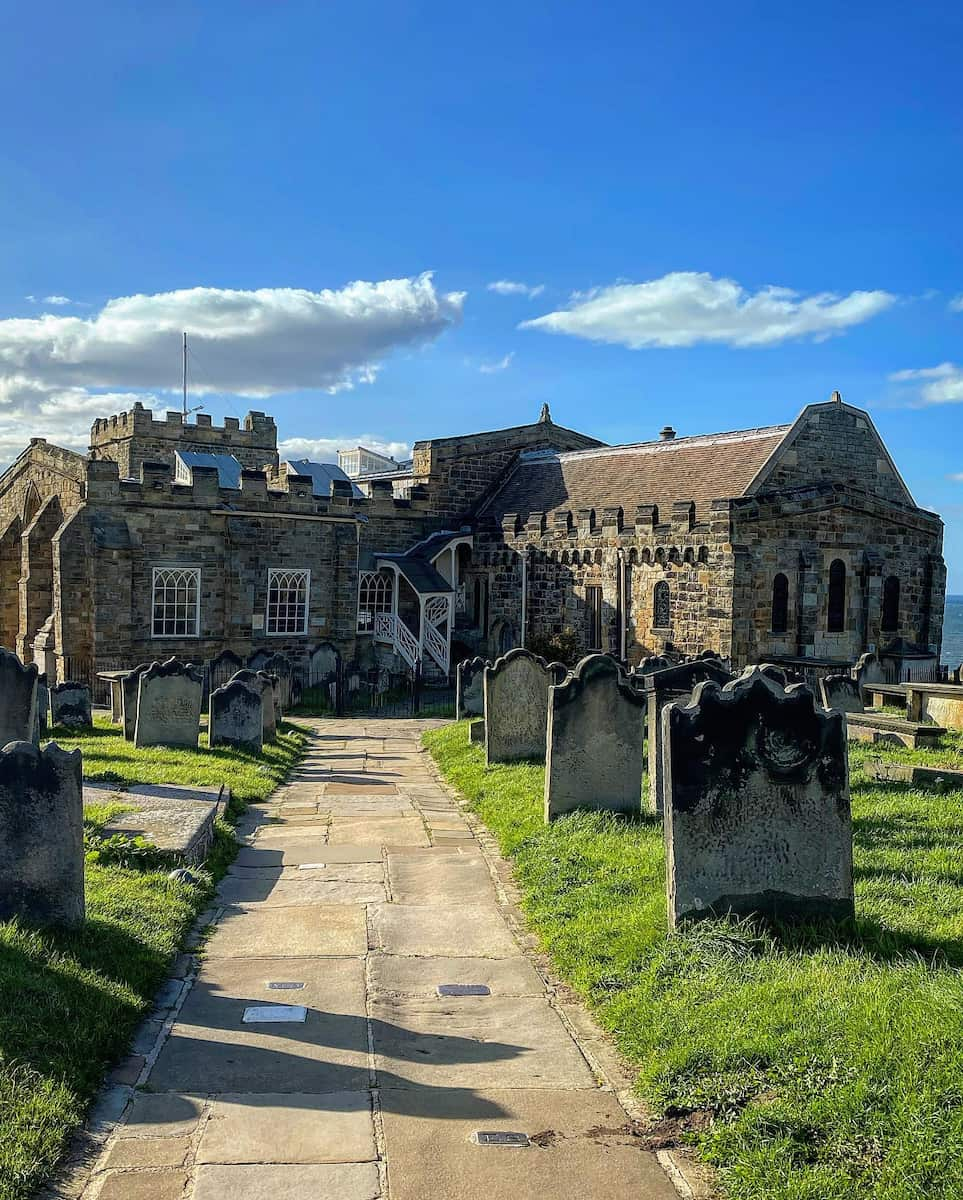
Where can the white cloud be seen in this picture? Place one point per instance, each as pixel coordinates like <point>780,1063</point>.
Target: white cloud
<point>510,287</point>
<point>936,385</point>
<point>685,308</point>
<point>326,449</point>
<point>956,304</point>
<point>501,365</point>
<point>59,301</point>
<point>55,369</point>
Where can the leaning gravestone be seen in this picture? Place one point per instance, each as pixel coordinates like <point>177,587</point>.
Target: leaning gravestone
<point>595,738</point>
<point>19,721</point>
<point>662,687</point>
<point>279,666</point>
<point>41,834</point>
<point>70,705</point>
<point>237,716</point>
<point>128,691</point>
<point>842,693</point>
<point>169,705</point>
<point>757,817</point>
<point>516,706</point>
<point>43,709</point>
<point>265,689</point>
<point>470,688</point>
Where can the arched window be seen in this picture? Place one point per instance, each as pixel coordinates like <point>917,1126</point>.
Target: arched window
<point>660,605</point>
<point>836,609</point>
<point>890,622</point>
<point>374,597</point>
<point>780,604</point>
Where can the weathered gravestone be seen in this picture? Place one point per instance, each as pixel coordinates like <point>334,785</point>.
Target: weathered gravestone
<point>470,688</point>
<point>476,732</point>
<point>595,739</point>
<point>868,669</point>
<point>129,686</point>
<point>169,705</point>
<point>41,834</point>
<point>279,666</point>
<point>662,687</point>
<point>222,667</point>
<point>516,706</point>
<point>323,665</point>
<point>70,705</point>
<point>841,692</point>
<point>237,716</point>
<point>18,700</point>
<point>256,661</point>
<point>262,683</point>
<point>757,817</point>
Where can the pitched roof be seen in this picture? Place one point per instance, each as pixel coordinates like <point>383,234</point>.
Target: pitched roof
<point>321,475</point>
<point>228,467</point>
<point>705,468</point>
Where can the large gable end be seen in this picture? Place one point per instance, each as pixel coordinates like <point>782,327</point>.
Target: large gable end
<point>832,443</point>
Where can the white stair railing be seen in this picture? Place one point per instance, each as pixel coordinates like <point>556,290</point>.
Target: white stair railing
<point>437,618</point>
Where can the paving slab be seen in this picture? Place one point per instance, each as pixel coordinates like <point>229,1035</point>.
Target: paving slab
<point>390,975</point>
<point>305,850</point>
<point>336,1127</point>
<point>211,1050</point>
<point>296,930</point>
<point>290,892</point>
<point>148,1152</point>
<point>584,1149</point>
<point>482,1042</point>
<point>349,872</point>
<point>344,1181</point>
<point>396,831</point>
<point>459,878</point>
<point>461,931</point>
<point>144,1185</point>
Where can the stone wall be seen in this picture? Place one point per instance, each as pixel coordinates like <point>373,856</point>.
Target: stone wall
<point>460,472</point>
<point>135,437</point>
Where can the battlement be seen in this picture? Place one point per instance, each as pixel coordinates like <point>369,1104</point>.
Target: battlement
<point>135,437</point>
<point>272,491</point>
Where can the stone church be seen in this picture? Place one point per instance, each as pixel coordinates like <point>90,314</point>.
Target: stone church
<point>172,537</point>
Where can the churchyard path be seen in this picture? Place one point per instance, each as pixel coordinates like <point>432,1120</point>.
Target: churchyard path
<point>314,1053</point>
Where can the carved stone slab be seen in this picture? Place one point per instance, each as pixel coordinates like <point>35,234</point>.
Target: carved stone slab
<point>41,834</point>
<point>265,688</point>
<point>757,816</point>
<point>470,688</point>
<point>596,733</point>
<point>516,706</point>
<point>323,665</point>
<point>169,705</point>
<point>128,690</point>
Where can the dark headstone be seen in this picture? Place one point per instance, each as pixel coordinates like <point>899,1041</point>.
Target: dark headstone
<point>323,665</point>
<point>596,735</point>
<point>129,685</point>
<point>237,716</point>
<point>265,688</point>
<point>470,688</point>
<point>70,705</point>
<point>18,700</point>
<point>841,692</point>
<point>757,816</point>
<point>41,834</point>
<point>662,687</point>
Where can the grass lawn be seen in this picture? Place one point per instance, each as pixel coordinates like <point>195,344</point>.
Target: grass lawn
<point>815,1066</point>
<point>70,1000</point>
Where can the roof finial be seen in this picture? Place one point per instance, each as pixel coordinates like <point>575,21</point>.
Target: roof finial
<point>545,417</point>
<point>836,398</point>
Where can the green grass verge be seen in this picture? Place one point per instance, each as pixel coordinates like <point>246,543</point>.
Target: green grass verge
<point>823,1066</point>
<point>70,1001</point>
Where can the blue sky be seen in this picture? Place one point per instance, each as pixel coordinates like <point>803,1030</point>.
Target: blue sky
<point>235,168</point>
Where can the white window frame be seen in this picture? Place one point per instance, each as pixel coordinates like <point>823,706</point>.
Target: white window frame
<point>273,573</point>
<point>186,569</point>
<point>390,585</point>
